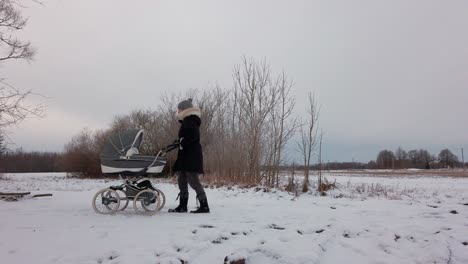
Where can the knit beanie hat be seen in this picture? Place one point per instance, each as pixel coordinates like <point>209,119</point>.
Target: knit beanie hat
<point>186,104</point>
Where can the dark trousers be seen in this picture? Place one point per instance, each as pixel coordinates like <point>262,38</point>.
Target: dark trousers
<point>185,178</point>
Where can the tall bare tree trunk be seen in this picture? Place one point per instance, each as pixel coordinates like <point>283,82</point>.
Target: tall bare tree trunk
<point>309,137</point>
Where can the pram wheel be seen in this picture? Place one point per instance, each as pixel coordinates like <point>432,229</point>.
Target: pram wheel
<point>162,197</point>
<point>147,202</point>
<point>106,201</point>
<point>123,200</point>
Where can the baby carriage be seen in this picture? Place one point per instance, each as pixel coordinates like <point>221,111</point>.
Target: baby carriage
<point>120,156</point>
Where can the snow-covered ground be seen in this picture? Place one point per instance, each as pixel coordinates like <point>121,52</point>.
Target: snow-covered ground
<point>366,220</point>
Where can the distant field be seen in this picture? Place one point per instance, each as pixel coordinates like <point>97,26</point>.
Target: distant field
<point>393,173</point>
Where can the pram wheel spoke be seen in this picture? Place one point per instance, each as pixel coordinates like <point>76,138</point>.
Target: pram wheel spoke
<point>123,200</point>
<point>106,201</point>
<point>162,197</point>
<point>147,202</point>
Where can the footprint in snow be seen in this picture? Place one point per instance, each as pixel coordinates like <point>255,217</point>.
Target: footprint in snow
<point>111,257</point>
<point>385,248</point>
<point>219,240</point>
<point>274,226</point>
<point>206,226</point>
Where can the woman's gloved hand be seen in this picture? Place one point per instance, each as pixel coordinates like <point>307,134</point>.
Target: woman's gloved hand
<point>178,143</point>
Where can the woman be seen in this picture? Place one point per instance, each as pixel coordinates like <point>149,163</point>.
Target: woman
<point>189,163</point>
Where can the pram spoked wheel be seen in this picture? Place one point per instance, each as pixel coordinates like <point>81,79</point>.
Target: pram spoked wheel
<point>106,201</point>
<point>147,202</point>
<point>123,200</point>
<point>162,197</point>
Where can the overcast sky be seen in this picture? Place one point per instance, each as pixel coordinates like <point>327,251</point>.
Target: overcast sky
<point>386,73</point>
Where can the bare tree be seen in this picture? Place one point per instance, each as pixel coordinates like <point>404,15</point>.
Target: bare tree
<point>401,159</point>
<point>308,140</point>
<point>320,186</point>
<point>282,127</point>
<point>447,158</point>
<point>14,107</point>
<point>256,99</point>
<point>3,147</point>
<point>463,160</point>
<point>13,104</point>
<point>385,159</point>
<point>401,154</point>
<point>426,158</point>
<point>81,153</point>
<point>10,21</point>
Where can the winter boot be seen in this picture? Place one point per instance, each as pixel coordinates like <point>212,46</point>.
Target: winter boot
<point>182,208</point>
<point>203,207</point>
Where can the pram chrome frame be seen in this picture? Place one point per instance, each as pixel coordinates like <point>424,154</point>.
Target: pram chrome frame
<point>146,198</point>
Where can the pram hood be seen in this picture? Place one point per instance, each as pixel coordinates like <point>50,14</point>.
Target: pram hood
<point>120,155</point>
<point>118,144</point>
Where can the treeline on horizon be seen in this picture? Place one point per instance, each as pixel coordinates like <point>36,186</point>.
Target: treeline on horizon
<point>20,161</point>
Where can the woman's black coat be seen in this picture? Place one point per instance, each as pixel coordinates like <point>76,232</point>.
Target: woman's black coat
<point>190,156</point>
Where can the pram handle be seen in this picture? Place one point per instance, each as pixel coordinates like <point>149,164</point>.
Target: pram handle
<point>161,152</point>
<point>170,147</point>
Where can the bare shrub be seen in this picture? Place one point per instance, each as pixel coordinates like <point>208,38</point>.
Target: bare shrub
<point>243,131</point>
<point>293,185</point>
<point>377,190</point>
<point>81,156</point>
<point>324,186</point>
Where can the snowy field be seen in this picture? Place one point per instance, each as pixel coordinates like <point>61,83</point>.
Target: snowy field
<point>366,220</point>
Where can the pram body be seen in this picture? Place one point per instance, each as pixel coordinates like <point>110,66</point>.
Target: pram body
<point>120,155</point>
